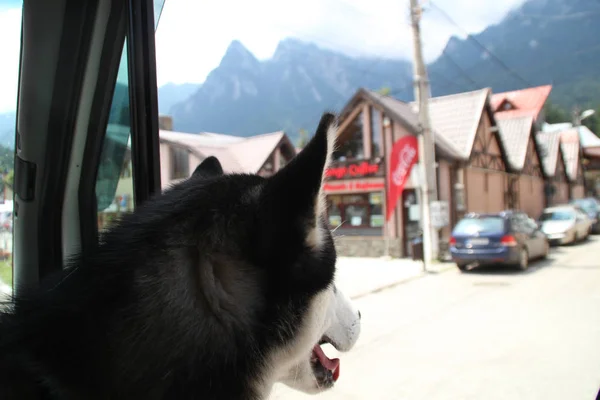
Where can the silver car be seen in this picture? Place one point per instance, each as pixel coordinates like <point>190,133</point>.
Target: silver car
<point>565,224</point>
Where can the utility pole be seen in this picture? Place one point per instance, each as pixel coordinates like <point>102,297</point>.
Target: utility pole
<point>426,142</point>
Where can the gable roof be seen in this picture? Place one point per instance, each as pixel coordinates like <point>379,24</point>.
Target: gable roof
<point>569,142</point>
<point>236,154</point>
<point>515,133</point>
<point>529,101</point>
<point>404,114</point>
<point>549,144</point>
<point>457,117</point>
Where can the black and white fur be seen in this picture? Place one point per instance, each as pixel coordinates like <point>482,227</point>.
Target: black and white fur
<point>216,289</point>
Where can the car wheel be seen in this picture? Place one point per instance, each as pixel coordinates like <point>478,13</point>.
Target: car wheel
<point>523,259</point>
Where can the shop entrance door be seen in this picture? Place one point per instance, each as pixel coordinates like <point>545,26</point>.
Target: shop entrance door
<point>411,219</point>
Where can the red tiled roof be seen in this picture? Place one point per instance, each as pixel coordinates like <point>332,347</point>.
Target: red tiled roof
<point>528,101</point>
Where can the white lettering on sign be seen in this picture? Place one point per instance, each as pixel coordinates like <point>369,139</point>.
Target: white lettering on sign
<point>405,159</point>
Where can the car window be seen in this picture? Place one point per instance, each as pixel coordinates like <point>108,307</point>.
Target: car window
<point>557,215</point>
<point>114,182</point>
<point>487,224</point>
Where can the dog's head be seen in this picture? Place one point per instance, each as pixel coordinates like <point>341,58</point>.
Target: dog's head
<point>291,304</point>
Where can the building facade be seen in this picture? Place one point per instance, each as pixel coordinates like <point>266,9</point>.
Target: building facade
<point>525,185</point>
<point>556,189</point>
<point>470,169</point>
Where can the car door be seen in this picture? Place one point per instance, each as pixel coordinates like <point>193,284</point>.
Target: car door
<point>518,230</point>
<point>87,100</point>
<point>538,237</point>
<point>528,234</point>
<point>584,222</point>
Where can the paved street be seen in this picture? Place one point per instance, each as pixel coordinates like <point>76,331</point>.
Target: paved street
<point>488,334</point>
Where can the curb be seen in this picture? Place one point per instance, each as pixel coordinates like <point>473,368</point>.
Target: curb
<point>411,278</point>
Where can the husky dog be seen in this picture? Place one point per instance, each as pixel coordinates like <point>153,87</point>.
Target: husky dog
<point>216,289</point>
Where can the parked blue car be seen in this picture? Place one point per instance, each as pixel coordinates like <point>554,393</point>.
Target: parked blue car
<point>508,238</point>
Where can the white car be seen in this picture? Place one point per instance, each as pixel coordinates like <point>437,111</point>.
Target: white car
<point>565,224</point>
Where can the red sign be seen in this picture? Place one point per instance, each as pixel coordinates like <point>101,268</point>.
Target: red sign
<point>353,185</point>
<point>353,170</point>
<point>404,156</point>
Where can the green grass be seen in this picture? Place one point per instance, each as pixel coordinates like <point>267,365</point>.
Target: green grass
<point>6,272</point>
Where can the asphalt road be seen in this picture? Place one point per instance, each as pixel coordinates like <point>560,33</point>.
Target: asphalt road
<point>487,334</point>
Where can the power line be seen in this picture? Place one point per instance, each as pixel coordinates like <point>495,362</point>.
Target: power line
<point>460,69</point>
<point>481,45</point>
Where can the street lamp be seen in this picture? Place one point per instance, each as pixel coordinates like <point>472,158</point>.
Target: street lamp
<point>586,114</point>
<point>582,116</point>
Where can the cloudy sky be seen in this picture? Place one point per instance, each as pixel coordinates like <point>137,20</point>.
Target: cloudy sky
<point>193,35</point>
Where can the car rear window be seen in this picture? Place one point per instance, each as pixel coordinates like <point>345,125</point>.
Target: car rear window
<point>558,215</point>
<point>471,226</point>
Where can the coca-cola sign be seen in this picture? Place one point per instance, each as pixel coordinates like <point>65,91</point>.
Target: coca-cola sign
<point>404,156</point>
<point>406,159</point>
<point>358,169</point>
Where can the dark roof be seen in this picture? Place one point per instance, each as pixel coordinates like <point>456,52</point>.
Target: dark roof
<point>403,113</point>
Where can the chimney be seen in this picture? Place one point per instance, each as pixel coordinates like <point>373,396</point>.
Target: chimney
<point>165,122</point>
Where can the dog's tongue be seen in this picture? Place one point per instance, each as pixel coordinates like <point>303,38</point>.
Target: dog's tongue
<point>332,365</point>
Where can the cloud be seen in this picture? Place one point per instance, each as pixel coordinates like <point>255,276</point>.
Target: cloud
<point>193,35</point>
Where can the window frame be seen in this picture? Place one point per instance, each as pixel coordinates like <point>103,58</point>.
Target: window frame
<point>81,50</point>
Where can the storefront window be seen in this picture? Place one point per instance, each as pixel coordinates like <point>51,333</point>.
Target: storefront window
<point>359,215</point>
<point>351,141</point>
<point>376,133</point>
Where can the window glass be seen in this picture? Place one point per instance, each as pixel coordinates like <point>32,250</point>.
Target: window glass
<point>356,214</point>
<point>351,141</point>
<point>558,215</point>
<point>376,133</point>
<point>472,226</point>
<point>114,183</point>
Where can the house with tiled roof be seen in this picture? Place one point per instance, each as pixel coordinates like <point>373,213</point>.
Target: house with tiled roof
<point>571,149</point>
<point>557,182</point>
<point>522,102</point>
<point>470,160</point>
<point>589,155</point>
<point>520,114</point>
<point>369,125</point>
<point>263,154</point>
<point>525,184</point>
<point>480,171</point>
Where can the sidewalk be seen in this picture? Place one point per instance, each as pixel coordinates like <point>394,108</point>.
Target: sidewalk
<point>360,276</point>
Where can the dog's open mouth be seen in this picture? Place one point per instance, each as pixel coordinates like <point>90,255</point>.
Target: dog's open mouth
<point>326,370</point>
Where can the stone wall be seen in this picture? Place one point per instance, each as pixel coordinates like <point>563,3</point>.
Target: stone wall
<point>365,246</point>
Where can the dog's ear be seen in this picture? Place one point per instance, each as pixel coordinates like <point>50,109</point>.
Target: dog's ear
<point>292,201</point>
<point>210,167</point>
